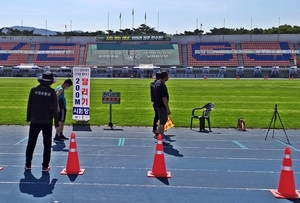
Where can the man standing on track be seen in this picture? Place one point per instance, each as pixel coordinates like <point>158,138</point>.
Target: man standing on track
<point>41,110</point>
<point>161,103</point>
<point>62,109</point>
<point>152,94</point>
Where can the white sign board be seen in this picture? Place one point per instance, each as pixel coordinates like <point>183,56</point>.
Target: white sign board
<point>111,97</point>
<point>81,93</point>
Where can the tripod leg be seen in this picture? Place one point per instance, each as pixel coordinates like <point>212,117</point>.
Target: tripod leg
<point>270,126</point>
<point>283,128</point>
<point>274,123</point>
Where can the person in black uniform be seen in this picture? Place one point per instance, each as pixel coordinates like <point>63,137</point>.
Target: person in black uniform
<point>41,110</point>
<point>161,103</point>
<point>155,119</point>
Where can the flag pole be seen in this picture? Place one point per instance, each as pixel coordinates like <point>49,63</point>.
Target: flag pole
<point>145,22</point>
<point>158,21</point>
<point>278,27</point>
<point>132,13</point>
<point>120,19</point>
<point>22,29</point>
<point>251,29</point>
<point>223,28</point>
<point>46,32</point>
<point>107,20</point>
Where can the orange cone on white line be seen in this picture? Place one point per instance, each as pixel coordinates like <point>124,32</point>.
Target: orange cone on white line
<point>286,186</point>
<point>159,165</point>
<point>72,167</point>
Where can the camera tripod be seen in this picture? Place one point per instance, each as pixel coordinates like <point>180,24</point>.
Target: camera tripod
<point>273,120</point>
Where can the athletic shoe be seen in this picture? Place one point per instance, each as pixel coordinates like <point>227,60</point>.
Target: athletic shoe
<point>45,169</point>
<point>27,168</point>
<point>154,131</point>
<point>58,139</point>
<point>63,137</point>
<point>165,141</point>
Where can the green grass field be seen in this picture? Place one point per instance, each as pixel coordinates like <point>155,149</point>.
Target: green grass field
<point>253,100</point>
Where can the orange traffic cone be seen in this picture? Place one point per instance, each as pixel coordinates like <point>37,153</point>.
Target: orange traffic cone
<point>241,124</point>
<point>159,165</point>
<point>286,186</point>
<point>73,167</point>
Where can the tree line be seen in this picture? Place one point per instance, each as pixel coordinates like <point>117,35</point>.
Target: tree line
<point>144,29</point>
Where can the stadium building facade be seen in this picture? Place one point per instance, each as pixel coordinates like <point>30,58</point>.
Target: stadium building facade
<point>141,56</point>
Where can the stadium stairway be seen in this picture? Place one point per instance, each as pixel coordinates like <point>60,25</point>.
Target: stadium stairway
<point>184,55</point>
<point>30,56</point>
<point>81,54</point>
<point>239,56</point>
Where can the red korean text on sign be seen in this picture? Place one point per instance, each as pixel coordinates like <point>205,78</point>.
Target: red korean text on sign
<point>85,91</point>
<point>85,81</point>
<point>85,101</point>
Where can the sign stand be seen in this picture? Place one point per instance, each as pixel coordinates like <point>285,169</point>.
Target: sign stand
<point>110,98</point>
<point>110,117</point>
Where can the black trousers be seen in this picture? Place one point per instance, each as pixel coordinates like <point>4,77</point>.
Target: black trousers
<point>155,119</point>
<point>34,131</point>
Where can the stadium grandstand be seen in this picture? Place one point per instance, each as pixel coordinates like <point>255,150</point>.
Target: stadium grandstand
<point>10,59</point>
<point>195,58</point>
<point>185,56</point>
<point>55,59</point>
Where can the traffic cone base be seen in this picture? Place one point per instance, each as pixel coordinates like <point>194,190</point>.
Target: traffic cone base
<point>281,196</point>
<point>151,175</point>
<point>64,172</point>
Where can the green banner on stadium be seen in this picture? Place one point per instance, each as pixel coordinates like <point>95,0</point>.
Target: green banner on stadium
<point>134,38</point>
<point>114,54</point>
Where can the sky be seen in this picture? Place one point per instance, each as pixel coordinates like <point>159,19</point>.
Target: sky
<point>170,16</point>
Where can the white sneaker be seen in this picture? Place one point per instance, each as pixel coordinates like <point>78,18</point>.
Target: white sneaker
<point>165,141</point>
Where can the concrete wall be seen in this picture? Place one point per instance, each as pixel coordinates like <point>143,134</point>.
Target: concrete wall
<point>294,38</point>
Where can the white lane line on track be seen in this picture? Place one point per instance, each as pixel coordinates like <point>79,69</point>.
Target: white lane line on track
<point>140,185</point>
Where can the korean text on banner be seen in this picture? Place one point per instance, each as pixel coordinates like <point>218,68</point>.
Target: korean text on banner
<point>81,93</point>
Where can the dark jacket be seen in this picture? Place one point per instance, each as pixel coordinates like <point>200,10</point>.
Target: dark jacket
<point>152,93</point>
<point>160,91</point>
<point>42,105</point>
